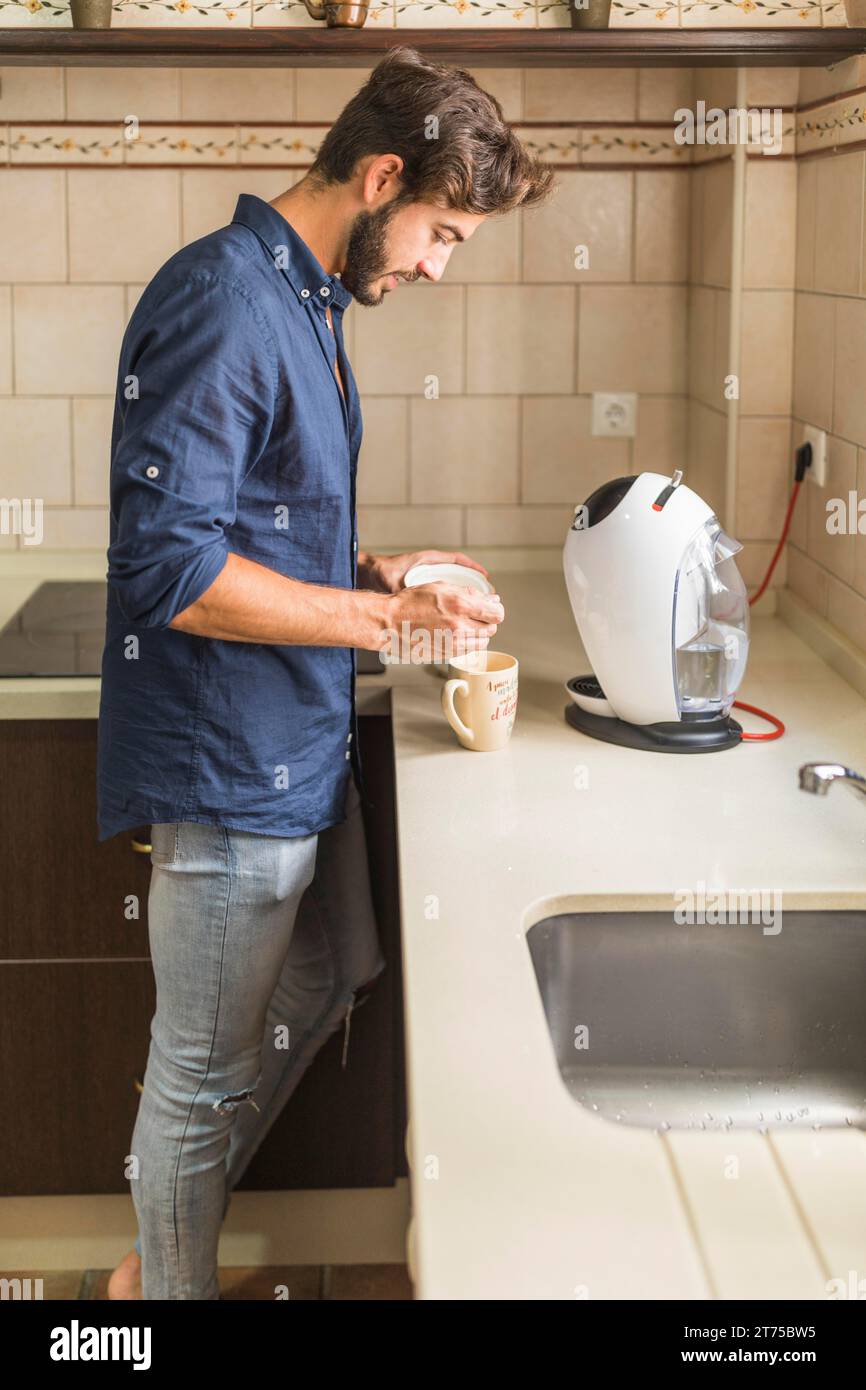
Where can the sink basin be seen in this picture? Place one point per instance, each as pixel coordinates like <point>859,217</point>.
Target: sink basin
<point>708,1026</point>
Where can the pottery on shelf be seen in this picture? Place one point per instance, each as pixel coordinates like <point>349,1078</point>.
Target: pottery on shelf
<point>90,14</point>
<point>339,14</point>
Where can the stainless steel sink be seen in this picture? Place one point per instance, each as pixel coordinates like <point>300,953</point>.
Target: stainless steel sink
<point>708,1026</point>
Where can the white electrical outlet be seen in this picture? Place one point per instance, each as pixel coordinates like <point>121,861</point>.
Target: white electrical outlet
<point>614,413</point>
<point>817,470</point>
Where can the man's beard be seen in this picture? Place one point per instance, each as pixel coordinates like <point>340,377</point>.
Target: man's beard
<point>367,254</point>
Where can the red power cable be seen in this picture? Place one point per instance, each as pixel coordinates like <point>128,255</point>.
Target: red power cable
<point>778,726</point>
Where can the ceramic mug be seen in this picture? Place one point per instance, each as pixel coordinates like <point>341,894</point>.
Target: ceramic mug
<point>479,699</point>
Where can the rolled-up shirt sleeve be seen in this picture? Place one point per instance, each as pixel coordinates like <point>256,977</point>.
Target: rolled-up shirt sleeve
<point>195,409</point>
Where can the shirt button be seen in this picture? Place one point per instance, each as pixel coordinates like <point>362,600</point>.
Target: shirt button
<point>324,291</point>
<point>305,294</point>
<point>349,739</point>
<point>348,754</point>
<point>152,471</point>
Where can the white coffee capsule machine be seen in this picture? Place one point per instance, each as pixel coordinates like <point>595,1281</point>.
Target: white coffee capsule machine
<point>663,616</point>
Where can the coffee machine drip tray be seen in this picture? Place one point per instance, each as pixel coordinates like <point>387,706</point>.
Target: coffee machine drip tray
<point>679,736</point>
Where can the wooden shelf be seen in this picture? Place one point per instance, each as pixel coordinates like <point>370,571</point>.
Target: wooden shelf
<point>323,47</point>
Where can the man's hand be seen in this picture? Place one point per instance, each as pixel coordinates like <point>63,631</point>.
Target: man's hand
<point>387,573</point>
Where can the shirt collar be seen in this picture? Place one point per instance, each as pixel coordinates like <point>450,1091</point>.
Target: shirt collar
<point>291,253</point>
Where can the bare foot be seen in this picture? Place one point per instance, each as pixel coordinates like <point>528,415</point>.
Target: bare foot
<point>125,1281</point>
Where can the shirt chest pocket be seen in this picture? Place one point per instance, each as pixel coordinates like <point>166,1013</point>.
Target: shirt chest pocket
<point>301,537</point>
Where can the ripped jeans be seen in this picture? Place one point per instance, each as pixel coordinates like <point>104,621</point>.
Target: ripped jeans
<point>260,946</point>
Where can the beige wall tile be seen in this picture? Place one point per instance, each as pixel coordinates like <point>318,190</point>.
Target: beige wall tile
<point>849,395</point>
<point>517,525</point>
<point>383,465</point>
<point>697,177</point>
<point>5,340</point>
<point>716,224</point>
<point>753,561</point>
<point>209,196</point>
<point>819,82</point>
<point>807,184</point>
<point>772,86</point>
<point>846,610</point>
<point>813,359</point>
<point>707,434</point>
<point>75,528</point>
<point>35,448</point>
<point>662,91</point>
<point>321,93</point>
<point>416,528</point>
<point>660,443</point>
<point>715,86</point>
<point>112,94</point>
<point>807,580</point>
<point>833,551</point>
<point>123,224</point>
<point>506,84</point>
<point>587,209</point>
<point>561,461</point>
<point>838,223</point>
<point>91,449</point>
<point>33,227</point>
<point>860,541</point>
<point>67,338</point>
<point>705,383</point>
<point>416,333</point>
<point>663,200</point>
<point>464,449</point>
<point>580,94</point>
<point>31,94</point>
<point>771,224</point>
<point>767,352</point>
<point>237,94</point>
<point>764,476</point>
<point>632,338</point>
<point>491,254</point>
<point>132,294</point>
<point>520,339</point>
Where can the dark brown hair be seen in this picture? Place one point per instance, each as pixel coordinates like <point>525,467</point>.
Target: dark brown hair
<point>474,163</point>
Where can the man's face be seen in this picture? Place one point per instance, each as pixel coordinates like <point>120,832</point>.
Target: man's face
<point>401,241</point>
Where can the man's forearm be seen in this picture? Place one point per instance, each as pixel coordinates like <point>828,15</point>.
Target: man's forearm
<point>248,602</point>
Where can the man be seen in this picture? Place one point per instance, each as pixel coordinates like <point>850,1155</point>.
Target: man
<point>237,597</point>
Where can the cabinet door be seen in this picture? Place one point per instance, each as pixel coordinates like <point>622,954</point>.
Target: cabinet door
<point>77,994</point>
<point>63,895</point>
<point>73,1040</point>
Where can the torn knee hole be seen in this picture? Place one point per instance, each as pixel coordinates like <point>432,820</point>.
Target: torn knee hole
<point>226,1104</point>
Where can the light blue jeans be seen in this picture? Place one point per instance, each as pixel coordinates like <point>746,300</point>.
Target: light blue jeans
<point>260,945</point>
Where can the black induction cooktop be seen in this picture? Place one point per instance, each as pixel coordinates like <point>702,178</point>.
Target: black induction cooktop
<point>60,631</point>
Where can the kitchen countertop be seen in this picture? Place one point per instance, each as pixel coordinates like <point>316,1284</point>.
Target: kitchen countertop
<point>517,1191</point>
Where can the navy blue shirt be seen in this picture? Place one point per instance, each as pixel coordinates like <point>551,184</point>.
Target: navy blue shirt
<point>230,434</point>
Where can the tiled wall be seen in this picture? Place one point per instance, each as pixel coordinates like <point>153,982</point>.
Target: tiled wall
<point>419,14</point>
<point>828,570</point>
<point>518,337</point>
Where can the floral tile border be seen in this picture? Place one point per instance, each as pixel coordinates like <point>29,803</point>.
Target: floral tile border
<point>567,145</point>
<point>838,122</point>
<point>133,14</point>
<point>751,14</point>
<point>65,144</point>
<point>424,14</point>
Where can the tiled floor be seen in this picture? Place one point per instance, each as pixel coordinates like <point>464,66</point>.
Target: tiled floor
<point>337,1282</point>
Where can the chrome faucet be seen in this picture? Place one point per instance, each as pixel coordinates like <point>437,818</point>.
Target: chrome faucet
<point>818,777</point>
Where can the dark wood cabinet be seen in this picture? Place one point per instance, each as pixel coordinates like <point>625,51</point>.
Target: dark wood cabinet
<point>77,993</point>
